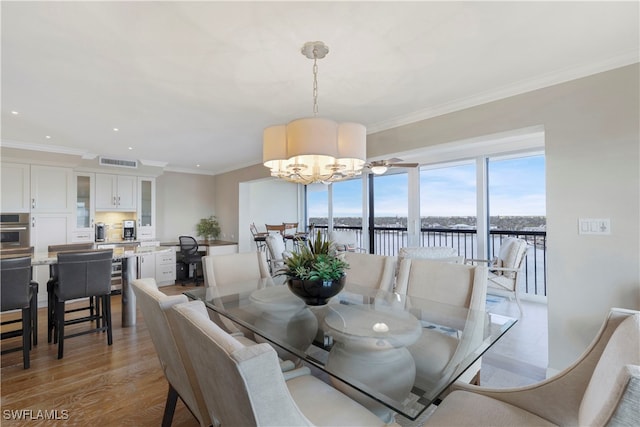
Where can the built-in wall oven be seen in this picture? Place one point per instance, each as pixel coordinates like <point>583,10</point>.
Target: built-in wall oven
<point>14,230</point>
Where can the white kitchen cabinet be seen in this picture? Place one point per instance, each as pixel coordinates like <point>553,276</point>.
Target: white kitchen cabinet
<point>166,268</point>
<point>51,189</point>
<point>116,192</point>
<point>47,229</point>
<point>147,265</point>
<point>85,208</point>
<point>15,189</point>
<point>146,228</point>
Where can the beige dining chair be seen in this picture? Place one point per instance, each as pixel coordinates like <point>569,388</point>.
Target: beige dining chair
<point>464,289</point>
<point>225,272</point>
<point>278,252</point>
<point>179,373</point>
<point>244,386</point>
<point>345,241</point>
<point>602,388</point>
<point>370,270</point>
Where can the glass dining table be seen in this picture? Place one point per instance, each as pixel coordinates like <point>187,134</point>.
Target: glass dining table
<point>392,353</point>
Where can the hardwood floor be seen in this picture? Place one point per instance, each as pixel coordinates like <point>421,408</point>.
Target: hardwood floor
<point>94,384</point>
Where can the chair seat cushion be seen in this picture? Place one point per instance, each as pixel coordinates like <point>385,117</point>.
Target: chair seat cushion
<point>462,409</point>
<point>307,391</point>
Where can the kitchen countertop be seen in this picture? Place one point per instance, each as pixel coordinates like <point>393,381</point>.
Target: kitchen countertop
<point>202,243</point>
<point>47,258</point>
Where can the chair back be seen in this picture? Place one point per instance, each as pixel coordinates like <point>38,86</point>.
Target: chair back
<point>618,363</point>
<point>344,240</point>
<point>277,250</point>
<point>290,228</point>
<point>369,270</point>
<point>188,245</point>
<point>275,228</point>
<point>84,274</point>
<point>155,307</point>
<point>429,252</point>
<point>449,283</point>
<point>511,255</point>
<point>15,280</point>
<point>242,386</point>
<point>220,271</point>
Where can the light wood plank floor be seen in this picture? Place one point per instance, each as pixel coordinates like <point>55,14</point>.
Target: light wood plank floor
<point>97,384</point>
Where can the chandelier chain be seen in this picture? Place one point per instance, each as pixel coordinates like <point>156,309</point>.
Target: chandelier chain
<point>315,82</point>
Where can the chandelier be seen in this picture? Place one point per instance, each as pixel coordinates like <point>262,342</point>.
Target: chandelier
<point>314,149</point>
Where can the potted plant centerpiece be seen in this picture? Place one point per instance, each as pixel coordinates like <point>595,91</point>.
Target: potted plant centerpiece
<point>208,228</point>
<point>315,273</point>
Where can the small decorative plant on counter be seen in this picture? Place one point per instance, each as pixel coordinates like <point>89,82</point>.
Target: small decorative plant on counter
<point>315,273</point>
<point>208,228</point>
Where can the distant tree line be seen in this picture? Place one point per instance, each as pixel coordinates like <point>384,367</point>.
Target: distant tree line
<point>496,222</point>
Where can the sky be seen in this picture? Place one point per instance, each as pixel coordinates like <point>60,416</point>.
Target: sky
<point>516,188</point>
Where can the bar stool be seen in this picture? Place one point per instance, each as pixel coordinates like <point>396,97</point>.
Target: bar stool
<point>18,292</point>
<point>258,237</point>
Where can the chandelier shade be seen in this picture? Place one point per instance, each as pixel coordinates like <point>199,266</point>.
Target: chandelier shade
<point>314,149</point>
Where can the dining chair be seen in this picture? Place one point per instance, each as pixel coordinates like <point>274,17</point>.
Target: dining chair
<point>244,385</point>
<point>83,275</point>
<point>370,270</point>
<point>441,253</point>
<point>506,268</point>
<point>155,307</point>
<point>345,241</point>
<point>18,292</point>
<point>222,271</point>
<point>92,302</point>
<point>601,388</point>
<point>278,252</point>
<point>457,286</point>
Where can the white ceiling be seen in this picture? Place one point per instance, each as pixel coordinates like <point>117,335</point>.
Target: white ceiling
<point>190,83</point>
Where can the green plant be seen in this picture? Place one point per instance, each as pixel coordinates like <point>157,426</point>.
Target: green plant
<point>208,228</point>
<point>315,261</point>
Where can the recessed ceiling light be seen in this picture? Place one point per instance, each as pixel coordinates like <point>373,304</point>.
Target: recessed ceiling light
<point>15,113</point>
<point>197,166</point>
<point>115,129</point>
<point>48,136</point>
<point>130,148</point>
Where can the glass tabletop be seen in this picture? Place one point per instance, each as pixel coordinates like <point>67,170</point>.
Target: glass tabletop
<point>390,352</point>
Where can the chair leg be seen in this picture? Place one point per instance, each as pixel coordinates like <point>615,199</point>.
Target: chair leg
<point>60,327</point>
<point>170,407</point>
<point>97,310</point>
<point>26,337</point>
<point>519,305</point>
<point>34,318</point>
<point>51,319</point>
<point>106,308</point>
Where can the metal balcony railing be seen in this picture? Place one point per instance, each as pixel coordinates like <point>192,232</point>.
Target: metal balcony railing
<point>389,240</point>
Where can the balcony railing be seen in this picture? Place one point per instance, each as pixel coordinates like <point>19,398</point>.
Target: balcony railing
<point>389,240</point>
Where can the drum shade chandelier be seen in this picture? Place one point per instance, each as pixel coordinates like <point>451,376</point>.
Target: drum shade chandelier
<point>315,149</point>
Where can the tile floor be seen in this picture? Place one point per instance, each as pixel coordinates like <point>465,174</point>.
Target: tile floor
<point>520,357</point>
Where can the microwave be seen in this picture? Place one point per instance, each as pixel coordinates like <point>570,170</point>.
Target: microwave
<point>14,230</point>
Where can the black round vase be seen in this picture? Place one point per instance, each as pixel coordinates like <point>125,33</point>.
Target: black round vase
<point>316,292</point>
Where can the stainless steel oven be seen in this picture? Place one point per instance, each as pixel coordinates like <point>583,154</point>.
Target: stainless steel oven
<point>14,230</point>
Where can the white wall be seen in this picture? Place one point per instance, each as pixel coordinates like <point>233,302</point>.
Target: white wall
<point>263,202</point>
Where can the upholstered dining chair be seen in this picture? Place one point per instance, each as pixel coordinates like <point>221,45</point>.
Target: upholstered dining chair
<point>244,386</point>
<point>440,253</point>
<point>222,271</point>
<point>456,285</point>
<point>83,275</point>
<point>17,292</point>
<point>345,241</point>
<point>506,268</point>
<point>278,252</point>
<point>179,373</point>
<point>370,270</point>
<point>601,388</point>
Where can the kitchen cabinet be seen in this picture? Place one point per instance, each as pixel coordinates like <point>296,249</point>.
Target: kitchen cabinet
<point>147,265</point>
<point>166,268</point>
<point>116,192</point>
<point>146,228</point>
<point>15,188</point>
<point>85,207</point>
<point>47,229</point>
<point>51,189</point>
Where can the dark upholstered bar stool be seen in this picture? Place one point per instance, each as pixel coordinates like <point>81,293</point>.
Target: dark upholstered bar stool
<point>83,275</point>
<point>18,292</point>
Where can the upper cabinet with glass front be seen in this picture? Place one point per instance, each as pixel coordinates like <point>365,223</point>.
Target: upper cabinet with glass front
<point>85,208</point>
<point>146,208</point>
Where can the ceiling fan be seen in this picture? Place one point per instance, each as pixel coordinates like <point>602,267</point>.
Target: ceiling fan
<point>378,167</point>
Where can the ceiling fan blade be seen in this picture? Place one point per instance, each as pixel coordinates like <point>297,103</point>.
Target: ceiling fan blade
<point>404,165</point>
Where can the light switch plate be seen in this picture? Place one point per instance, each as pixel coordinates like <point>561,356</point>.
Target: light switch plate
<point>600,226</point>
